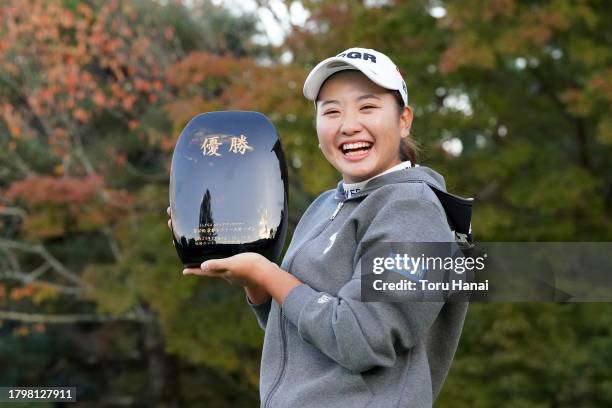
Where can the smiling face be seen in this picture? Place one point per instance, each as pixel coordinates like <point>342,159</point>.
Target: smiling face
<point>358,126</point>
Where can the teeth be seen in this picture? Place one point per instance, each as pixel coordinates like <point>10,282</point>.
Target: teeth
<point>353,153</point>
<point>357,145</point>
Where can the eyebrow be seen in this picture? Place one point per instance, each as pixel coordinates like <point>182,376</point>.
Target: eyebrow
<point>366,96</point>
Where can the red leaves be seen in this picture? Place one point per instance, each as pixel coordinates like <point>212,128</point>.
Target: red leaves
<point>13,119</point>
<point>601,84</point>
<point>19,293</point>
<point>58,205</point>
<point>49,190</point>
<point>200,66</point>
<point>54,190</point>
<point>74,65</point>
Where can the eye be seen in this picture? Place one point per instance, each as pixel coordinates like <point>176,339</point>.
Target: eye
<point>368,107</point>
<point>330,112</point>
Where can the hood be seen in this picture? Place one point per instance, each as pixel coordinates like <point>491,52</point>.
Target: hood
<point>422,173</point>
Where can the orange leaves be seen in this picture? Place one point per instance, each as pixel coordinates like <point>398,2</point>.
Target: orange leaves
<point>168,144</point>
<point>120,160</point>
<point>75,64</point>
<point>201,66</point>
<point>45,223</point>
<point>499,28</point>
<point>67,19</point>
<point>21,331</point>
<point>61,204</point>
<point>206,82</point>
<point>133,124</point>
<point>540,26</point>
<point>22,292</point>
<point>37,292</point>
<point>81,115</point>
<point>601,84</point>
<point>111,45</point>
<point>169,33</point>
<point>104,63</point>
<point>142,85</point>
<point>577,102</point>
<point>582,101</point>
<point>71,79</point>
<point>59,169</point>
<point>119,200</point>
<point>129,101</point>
<point>85,11</point>
<point>498,8</point>
<point>13,120</point>
<point>466,51</point>
<point>99,99</point>
<point>53,190</point>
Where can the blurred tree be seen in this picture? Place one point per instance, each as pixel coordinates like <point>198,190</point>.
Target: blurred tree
<point>85,138</point>
<point>511,102</point>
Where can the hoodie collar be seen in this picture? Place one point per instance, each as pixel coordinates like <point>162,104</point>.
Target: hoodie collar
<point>350,189</point>
<point>401,175</point>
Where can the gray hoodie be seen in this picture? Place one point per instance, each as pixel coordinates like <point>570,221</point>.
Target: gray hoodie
<point>325,347</point>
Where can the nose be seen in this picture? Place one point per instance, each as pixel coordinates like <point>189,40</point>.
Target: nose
<point>350,124</point>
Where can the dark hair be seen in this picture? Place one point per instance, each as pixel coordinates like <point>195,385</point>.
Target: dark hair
<point>408,148</point>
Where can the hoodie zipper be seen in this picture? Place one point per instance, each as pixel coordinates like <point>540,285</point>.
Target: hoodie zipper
<point>281,372</point>
<point>282,321</point>
<point>336,211</point>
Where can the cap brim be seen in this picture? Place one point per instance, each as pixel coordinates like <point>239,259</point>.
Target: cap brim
<point>326,68</point>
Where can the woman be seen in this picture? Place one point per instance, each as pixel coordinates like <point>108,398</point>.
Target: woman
<point>323,345</point>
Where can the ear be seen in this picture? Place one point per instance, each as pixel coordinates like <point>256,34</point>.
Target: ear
<point>406,122</point>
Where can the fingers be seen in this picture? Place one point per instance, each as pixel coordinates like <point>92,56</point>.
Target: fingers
<point>217,273</point>
<point>198,271</point>
<point>170,224</point>
<point>211,273</point>
<point>213,267</point>
<point>195,271</point>
<point>168,211</point>
<point>216,265</point>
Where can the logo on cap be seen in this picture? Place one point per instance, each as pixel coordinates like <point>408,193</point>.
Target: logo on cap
<point>358,55</point>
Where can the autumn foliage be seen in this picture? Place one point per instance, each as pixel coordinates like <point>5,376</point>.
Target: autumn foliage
<point>93,95</point>
<point>64,70</point>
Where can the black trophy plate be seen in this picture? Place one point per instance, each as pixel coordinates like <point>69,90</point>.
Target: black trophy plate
<point>228,188</point>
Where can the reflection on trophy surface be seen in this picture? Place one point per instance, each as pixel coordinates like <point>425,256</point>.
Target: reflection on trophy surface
<point>228,188</point>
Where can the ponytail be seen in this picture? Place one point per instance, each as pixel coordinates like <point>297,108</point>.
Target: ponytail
<point>408,148</point>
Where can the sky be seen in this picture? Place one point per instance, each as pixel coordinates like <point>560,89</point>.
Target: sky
<point>275,31</point>
<point>276,28</point>
<point>295,14</point>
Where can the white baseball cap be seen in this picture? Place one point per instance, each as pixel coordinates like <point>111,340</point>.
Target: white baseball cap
<point>373,64</point>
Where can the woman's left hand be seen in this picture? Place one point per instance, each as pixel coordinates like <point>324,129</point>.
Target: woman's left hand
<point>246,269</point>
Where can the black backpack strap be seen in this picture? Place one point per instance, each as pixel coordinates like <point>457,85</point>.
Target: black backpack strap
<point>458,214</point>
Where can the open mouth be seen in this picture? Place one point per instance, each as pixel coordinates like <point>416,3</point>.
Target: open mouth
<point>356,149</point>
